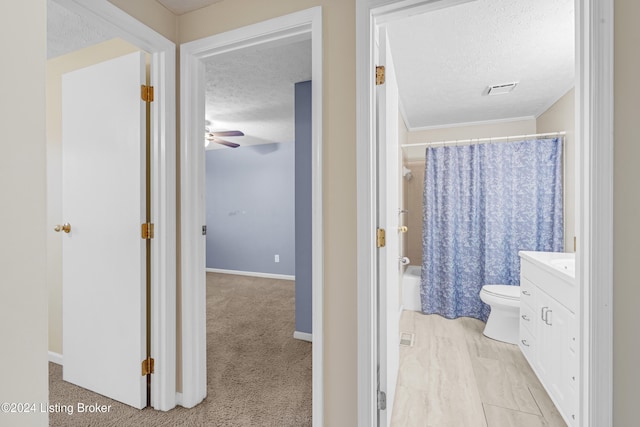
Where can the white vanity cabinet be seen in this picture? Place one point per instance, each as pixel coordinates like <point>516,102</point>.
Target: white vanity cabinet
<point>548,328</point>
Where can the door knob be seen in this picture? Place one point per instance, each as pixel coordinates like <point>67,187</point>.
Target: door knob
<point>403,229</point>
<point>66,227</point>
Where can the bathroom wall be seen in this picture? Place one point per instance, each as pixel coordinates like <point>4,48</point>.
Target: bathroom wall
<point>416,162</point>
<point>303,207</point>
<point>561,117</point>
<point>250,209</point>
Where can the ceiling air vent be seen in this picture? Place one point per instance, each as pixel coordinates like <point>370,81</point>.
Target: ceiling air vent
<point>500,89</point>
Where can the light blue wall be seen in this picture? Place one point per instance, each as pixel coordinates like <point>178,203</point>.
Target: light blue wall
<point>252,213</point>
<point>250,209</point>
<point>303,206</point>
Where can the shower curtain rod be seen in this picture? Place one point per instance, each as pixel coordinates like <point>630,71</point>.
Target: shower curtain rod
<point>484,140</point>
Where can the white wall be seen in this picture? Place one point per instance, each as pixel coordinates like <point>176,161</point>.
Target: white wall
<point>23,303</point>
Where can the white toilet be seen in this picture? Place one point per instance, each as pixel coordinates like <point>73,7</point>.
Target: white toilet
<point>504,321</point>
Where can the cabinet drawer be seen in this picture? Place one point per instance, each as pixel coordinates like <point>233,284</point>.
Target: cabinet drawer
<point>527,344</point>
<point>527,318</point>
<point>562,290</point>
<point>527,293</point>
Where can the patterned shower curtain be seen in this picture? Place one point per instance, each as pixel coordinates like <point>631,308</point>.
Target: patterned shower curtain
<point>482,204</point>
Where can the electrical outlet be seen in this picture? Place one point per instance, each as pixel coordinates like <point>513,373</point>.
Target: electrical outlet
<point>276,258</point>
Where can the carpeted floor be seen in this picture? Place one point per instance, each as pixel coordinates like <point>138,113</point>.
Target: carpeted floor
<point>257,373</point>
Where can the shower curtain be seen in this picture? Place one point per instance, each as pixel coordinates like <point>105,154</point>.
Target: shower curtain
<point>482,204</point>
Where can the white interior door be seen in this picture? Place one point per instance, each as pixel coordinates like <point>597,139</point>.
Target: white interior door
<point>104,256</point>
<point>388,215</point>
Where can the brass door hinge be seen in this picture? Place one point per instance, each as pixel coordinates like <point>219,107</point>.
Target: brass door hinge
<point>147,231</point>
<point>147,366</point>
<point>379,75</point>
<point>381,239</point>
<point>147,93</point>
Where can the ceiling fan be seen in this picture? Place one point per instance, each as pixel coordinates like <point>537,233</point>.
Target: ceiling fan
<point>213,136</point>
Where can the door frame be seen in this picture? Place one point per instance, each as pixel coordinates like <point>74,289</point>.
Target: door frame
<point>163,185</point>
<point>192,173</point>
<point>594,222</point>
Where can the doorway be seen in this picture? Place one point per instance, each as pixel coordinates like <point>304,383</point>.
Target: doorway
<point>591,125</point>
<point>118,24</point>
<point>192,193</point>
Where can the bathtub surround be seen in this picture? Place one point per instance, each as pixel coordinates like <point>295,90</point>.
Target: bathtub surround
<point>411,288</point>
<point>484,203</point>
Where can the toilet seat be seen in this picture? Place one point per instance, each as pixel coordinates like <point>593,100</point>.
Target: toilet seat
<point>509,292</point>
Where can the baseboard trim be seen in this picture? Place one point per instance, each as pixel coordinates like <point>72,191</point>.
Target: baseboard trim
<point>178,398</point>
<point>303,336</point>
<point>252,274</point>
<point>55,358</point>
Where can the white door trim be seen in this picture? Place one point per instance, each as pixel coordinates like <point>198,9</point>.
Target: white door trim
<point>594,191</point>
<point>192,192</point>
<point>594,126</point>
<point>163,187</point>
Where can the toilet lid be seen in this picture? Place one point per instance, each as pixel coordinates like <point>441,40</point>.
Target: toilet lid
<point>503,291</point>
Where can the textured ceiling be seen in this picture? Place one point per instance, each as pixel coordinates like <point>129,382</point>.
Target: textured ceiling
<point>444,62</point>
<point>179,7</point>
<point>252,90</point>
<point>446,59</point>
<point>67,31</point>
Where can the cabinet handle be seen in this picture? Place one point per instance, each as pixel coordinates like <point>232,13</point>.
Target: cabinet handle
<point>543,314</point>
<point>524,343</point>
<point>526,293</point>
<point>525,317</point>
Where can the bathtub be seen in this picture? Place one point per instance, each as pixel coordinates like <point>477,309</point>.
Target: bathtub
<point>411,288</point>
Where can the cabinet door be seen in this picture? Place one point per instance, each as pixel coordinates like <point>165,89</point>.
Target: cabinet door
<point>553,350</point>
<point>546,355</point>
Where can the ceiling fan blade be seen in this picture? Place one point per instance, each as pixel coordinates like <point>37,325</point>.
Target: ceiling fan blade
<point>227,143</point>
<point>227,133</point>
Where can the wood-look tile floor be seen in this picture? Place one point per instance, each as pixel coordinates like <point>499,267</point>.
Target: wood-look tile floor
<point>454,376</point>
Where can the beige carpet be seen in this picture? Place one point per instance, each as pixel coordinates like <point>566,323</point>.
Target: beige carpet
<point>258,375</point>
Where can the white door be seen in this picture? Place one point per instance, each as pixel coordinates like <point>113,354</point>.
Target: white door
<point>104,256</point>
<point>388,215</point>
